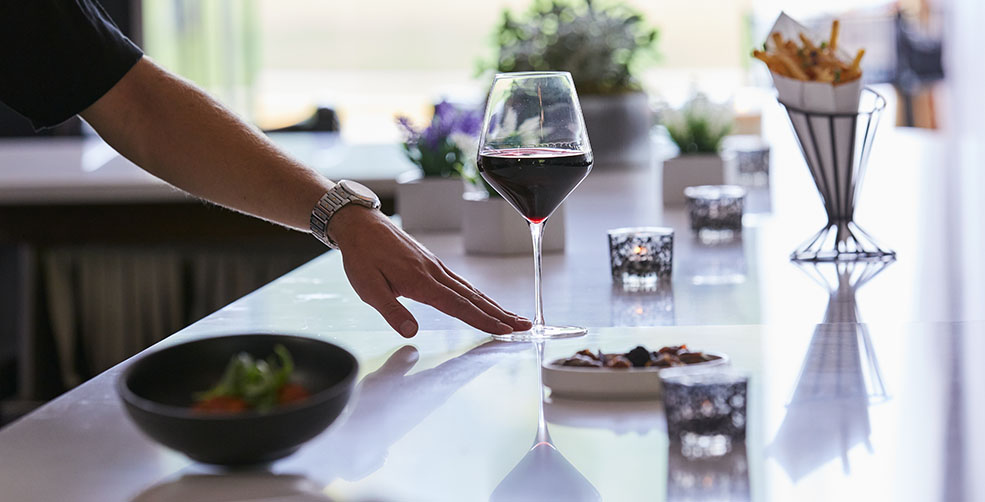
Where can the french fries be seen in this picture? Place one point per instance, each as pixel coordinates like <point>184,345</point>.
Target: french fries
<point>811,62</point>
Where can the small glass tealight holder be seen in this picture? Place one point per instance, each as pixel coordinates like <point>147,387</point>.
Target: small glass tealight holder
<point>748,157</point>
<point>715,211</point>
<point>641,256</point>
<point>706,410</point>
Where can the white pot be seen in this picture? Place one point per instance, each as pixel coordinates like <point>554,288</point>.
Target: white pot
<point>690,170</point>
<point>429,204</point>
<point>490,226</point>
<point>618,128</point>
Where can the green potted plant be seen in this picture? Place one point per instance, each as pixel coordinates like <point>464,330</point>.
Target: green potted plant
<point>602,46</point>
<point>429,198</point>
<point>697,129</point>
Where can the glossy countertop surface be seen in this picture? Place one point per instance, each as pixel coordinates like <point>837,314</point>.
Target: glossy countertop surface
<point>449,415</point>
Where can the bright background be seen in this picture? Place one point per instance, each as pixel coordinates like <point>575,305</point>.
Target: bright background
<point>274,60</point>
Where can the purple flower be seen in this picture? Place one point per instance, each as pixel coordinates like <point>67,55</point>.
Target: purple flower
<point>469,122</point>
<point>444,112</point>
<point>447,120</point>
<point>411,133</point>
<point>432,147</point>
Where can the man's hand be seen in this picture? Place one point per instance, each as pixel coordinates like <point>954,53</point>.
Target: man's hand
<point>384,263</point>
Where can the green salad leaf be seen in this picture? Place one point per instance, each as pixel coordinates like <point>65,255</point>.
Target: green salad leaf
<point>256,381</point>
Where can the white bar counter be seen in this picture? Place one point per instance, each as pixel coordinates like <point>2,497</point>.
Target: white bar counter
<point>449,415</point>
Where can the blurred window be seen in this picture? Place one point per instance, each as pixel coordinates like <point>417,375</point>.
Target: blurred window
<point>275,60</point>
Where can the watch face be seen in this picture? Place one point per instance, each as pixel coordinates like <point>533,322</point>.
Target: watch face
<point>358,190</point>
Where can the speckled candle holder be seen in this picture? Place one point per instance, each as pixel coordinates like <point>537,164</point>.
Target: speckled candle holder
<point>641,256</point>
<point>715,211</point>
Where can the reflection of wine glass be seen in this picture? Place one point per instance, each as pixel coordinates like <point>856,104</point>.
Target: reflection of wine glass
<point>534,151</point>
<point>543,473</point>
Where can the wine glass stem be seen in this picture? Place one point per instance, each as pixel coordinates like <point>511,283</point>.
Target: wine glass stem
<point>537,235</point>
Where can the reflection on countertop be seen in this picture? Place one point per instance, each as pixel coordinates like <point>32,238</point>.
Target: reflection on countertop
<point>543,473</point>
<point>828,414</point>
<point>643,306</point>
<point>708,479</point>
<point>715,264</point>
<point>621,417</point>
<point>235,486</point>
<point>358,445</point>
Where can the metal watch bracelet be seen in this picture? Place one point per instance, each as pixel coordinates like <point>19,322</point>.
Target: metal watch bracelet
<point>323,211</point>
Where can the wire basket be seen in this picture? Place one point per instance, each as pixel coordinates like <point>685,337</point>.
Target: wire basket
<point>836,148</point>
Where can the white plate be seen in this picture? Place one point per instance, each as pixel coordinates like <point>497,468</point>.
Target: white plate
<point>576,382</point>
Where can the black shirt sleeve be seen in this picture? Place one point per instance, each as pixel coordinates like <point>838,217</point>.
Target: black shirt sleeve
<point>57,57</point>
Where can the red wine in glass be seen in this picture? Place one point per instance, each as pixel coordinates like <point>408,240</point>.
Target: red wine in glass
<point>534,150</point>
<point>535,180</point>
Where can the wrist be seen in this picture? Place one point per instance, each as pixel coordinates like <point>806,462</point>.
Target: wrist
<point>345,225</point>
<point>338,201</point>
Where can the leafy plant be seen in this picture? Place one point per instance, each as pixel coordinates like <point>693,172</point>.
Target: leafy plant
<point>599,45</point>
<point>447,146</point>
<point>699,126</point>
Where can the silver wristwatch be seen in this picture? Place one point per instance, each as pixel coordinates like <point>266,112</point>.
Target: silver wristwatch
<point>344,192</point>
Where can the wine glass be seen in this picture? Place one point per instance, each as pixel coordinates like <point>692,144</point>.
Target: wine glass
<point>534,151</point>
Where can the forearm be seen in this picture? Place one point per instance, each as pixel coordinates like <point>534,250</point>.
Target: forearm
<point>183,136</point>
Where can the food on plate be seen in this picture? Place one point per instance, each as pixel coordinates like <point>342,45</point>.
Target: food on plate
<point>639,357</point>
<point>253,384</point>
<point>808,61</point>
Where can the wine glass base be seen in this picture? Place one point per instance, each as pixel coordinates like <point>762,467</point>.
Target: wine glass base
<point>538,333</point>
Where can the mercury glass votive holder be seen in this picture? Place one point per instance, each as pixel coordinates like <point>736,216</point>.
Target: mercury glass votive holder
<point>749,158</point>
<point>715,211</point>
<point>641,256</point>
<point>706,410</point>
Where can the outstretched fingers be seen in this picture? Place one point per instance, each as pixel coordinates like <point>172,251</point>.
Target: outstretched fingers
<point>459,285</point>
<point>450,302</point>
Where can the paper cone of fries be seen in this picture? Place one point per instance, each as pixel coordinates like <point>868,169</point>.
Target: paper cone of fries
<point>835,121</point>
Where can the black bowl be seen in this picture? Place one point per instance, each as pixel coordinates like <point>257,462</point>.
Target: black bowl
<point>158,390</point>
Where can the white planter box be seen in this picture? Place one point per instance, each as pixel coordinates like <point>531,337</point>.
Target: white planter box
<point>618,128</point>
<point>430,204</point>
<point>490,226</point>
<point>690,170</point>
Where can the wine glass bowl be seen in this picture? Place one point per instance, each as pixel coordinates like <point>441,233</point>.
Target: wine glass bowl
<point>534,151</point>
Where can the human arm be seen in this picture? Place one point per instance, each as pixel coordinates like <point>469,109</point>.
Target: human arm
<point>180,134</point>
